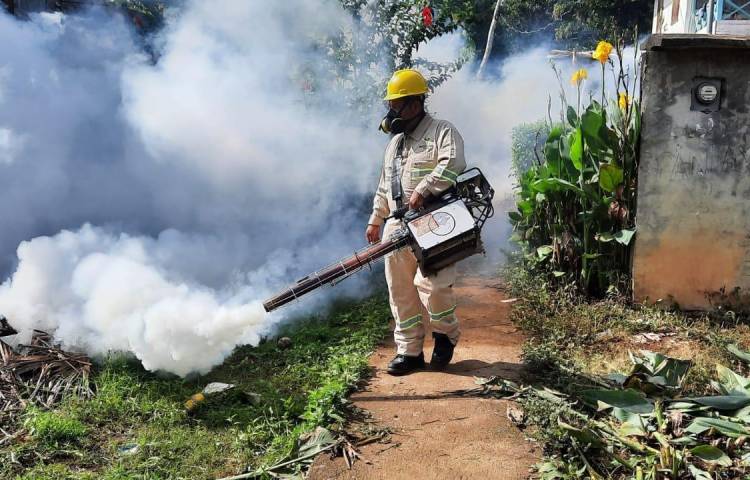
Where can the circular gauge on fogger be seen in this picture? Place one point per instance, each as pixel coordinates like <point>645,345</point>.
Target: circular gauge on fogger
<point>442,223</point>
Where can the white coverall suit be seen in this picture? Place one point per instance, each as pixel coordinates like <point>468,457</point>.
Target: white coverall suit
<point>432,158</point>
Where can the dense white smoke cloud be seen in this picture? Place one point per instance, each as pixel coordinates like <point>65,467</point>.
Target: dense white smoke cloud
<point>102,292</point>
<point>227,182</point>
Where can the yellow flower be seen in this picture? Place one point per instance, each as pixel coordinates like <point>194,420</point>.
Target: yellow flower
<point>602,52</point>
<point>579,76</point>
<point>624,100</point>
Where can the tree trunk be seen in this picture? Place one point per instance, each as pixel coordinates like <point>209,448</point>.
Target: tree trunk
<point>490,38</point>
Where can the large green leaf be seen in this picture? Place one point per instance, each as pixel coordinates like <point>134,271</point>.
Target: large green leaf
<point>686,441</point>
<point>550,395</point>
<point>584,435</point>
<point>526,207</point>
<point>592,123</point>
<point>572,117</point>
<point>711,454</point>
<point>552,149</point>
<point>632,424</point>
<point>655,373</point>
<point>699,474</point>
<point>624,236</point>
<point>544,251</point>
<point>554,184</point>
<point>556,132</point>
<point>616,117</point>
<point>629,400</point>
<point>610,177</point>
<point>739,353</point>
<point>732,383</point>
<point>687,407</point>
<point>576,148</point>
<point>723,402</point>
<point>743,414</point>
<point>725,427</point>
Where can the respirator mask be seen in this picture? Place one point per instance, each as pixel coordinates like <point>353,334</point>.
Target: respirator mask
<point>393,122</point>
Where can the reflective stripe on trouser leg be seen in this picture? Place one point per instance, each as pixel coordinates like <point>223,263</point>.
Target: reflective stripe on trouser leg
<point>400,269</point>
<point>436,293</point>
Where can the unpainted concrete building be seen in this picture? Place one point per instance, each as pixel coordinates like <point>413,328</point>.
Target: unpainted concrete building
<point>693,236</point>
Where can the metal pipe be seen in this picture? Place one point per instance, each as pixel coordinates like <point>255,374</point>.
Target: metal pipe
<point>337,271</point>
<point>711,16</point>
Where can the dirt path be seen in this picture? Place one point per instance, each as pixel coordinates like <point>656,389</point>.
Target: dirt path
<point>439,436</point>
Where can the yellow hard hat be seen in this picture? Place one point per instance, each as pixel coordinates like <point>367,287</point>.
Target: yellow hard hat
<point>405,83</point>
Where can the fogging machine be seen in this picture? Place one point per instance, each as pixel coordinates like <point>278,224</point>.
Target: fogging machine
<point>447,229</point>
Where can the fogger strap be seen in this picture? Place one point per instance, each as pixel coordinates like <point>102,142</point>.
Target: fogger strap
<point>396,192</point>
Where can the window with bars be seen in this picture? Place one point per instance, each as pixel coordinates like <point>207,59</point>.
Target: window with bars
<point>734,9</point>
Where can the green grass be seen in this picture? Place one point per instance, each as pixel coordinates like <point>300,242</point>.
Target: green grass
<point>53,427</point>
<point>137,427</point>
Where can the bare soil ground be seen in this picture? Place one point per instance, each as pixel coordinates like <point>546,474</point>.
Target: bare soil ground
<point>436,434</point>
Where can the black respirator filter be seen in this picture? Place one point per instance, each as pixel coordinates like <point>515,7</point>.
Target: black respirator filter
<point>392,122</point>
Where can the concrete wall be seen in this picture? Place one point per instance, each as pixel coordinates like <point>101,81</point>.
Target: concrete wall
<point>694,179</point>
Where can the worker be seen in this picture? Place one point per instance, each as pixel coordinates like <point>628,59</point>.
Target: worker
<point>423,158</point>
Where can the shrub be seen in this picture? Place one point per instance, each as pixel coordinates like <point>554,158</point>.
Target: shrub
<point>575,214</point>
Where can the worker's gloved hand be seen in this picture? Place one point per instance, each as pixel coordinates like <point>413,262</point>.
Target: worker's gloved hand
<point>416,201</point>
<point>372,233</point>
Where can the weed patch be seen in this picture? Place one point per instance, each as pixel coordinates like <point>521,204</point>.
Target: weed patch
<point>639,392</point>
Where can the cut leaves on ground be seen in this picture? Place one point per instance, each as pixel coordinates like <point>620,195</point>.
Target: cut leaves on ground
<point>623,409</point>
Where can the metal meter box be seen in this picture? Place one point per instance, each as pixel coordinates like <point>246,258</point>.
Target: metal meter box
<point>706,94</point>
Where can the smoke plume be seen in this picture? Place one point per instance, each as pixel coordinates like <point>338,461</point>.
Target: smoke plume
<point>225,181</point>
<point>149,205</point>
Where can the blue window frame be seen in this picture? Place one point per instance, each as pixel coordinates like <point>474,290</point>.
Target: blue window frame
<point>733,9</point>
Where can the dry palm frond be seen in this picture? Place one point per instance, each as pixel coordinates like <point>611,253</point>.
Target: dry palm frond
<point>40,373</point>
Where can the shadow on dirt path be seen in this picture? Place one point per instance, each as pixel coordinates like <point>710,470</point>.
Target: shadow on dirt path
<point>439,435</point>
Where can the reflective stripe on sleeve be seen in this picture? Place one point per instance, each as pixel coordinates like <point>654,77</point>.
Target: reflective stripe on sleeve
<point>449,175</point>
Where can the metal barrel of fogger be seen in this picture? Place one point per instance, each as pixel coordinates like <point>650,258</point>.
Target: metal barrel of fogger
<point>334,272</point>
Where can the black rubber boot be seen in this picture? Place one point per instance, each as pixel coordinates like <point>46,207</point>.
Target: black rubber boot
<point>443,351</point>
<point>404,364</point>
